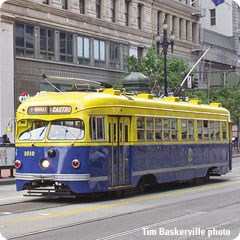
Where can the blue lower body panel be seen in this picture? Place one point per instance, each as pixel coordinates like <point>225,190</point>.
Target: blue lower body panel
<point>98,172</point>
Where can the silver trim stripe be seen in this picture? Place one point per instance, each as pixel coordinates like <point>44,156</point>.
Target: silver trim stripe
<point>52,177</point>
<point>164,170</point>
<point>59,177</point>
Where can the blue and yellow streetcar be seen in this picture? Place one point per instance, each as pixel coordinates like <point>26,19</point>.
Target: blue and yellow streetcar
<point>71,143</point>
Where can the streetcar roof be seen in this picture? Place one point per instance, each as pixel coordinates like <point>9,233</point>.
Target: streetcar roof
<point>113,98</point>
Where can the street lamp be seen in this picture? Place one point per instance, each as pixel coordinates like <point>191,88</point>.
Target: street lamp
<point>165,43</point>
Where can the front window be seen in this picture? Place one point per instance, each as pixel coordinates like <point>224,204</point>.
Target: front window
<point>58,130</point>
<point>36,132</point>
<point>66,130</point>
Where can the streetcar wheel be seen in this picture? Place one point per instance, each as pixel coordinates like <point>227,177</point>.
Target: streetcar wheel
<point>206,178</point>
<point>141,186</point>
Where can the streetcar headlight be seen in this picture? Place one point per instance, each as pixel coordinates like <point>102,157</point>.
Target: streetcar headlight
<point>45,163</point>
<point>75,163</point>
<point>18,164</point>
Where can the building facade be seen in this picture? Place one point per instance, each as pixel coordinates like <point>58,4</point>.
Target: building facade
<point>82,39</point>
<point>220,30</point>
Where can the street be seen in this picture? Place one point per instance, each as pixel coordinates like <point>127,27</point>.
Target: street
<point>173,211</point>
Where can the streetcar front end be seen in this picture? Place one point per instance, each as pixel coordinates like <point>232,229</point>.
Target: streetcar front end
<point>52,157</point>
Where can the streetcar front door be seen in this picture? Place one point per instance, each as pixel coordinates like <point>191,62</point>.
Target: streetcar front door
<point>119,169</point>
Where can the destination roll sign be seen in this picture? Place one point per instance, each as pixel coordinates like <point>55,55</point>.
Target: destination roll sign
<point>49,110</point>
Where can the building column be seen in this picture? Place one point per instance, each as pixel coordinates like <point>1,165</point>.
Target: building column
<point>183,29</point>
<point>197,34</point>
<point>161,21</point>
<point>189,31</point>
<point>6,74</point>
<point>170,24</point>
<point>176,27</point>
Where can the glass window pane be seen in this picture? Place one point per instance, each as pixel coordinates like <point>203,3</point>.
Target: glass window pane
<point>102,50</point>
<point>96,50</point>
<point>51,40</point>
<point>43,39</point>
<point>19,35</point>
<point>80,46</point>
<point>62,43</point>
<point>191,129</point>
<point>86,48</point>
<point>29,37</point>
<point>166,128</point>
<point>174,128</point>
<point>184,129</point>
<point>158,129</point>
<point>69,43</point>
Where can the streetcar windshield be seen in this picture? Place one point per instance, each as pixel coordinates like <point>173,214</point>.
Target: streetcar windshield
<point>66,130</point>
<point>36,132</point>
<point>58,130</point>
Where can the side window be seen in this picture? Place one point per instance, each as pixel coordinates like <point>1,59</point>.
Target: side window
<point>217,130</point>
<point>158,129</point>
<point>211,130</point>
<point>150,128</point>
<point>206,129</point>
<point>97,128</point>
<point>184,129</point>
<point>140,129</point>
<point>224,130</point>
<point>174,129</point>
<point>166,125</point>
<point>191,129</point>
<point>200,129</point>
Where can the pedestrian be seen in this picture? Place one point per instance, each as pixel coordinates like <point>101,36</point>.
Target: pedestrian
<point>5,138</point>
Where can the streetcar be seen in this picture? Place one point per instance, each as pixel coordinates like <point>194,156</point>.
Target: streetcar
<point>73,143</point>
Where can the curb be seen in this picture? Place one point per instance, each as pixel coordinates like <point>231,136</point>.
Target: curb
<point>7,181</point>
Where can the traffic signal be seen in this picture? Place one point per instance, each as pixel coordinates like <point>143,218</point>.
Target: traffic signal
<point>195,83</point>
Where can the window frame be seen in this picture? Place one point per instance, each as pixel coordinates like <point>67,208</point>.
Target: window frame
<point>25,49</point>
<point>64,4</point>
<point>45,2</point>
<point>48,41</point>
<point>82,6</point>
<point>99,53</point>
<point>127,11</point>
<point>95,133</point>
<point>98,9</point>
<point>113,10</point>
<point>213,19</point>
<point>66,50</point>
<point>83,50</point>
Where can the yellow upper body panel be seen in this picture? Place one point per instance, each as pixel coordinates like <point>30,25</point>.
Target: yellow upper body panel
<point>112,103</point>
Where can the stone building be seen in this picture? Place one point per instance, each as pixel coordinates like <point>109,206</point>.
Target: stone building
<point>86,39</point>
